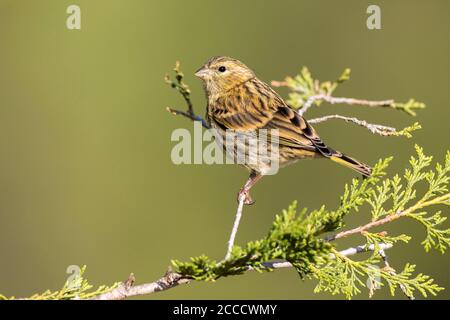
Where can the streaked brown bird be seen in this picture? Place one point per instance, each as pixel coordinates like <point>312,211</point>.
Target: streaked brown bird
<point>241,103</point>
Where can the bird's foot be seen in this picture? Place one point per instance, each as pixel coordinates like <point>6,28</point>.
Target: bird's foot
<point>244,193</point>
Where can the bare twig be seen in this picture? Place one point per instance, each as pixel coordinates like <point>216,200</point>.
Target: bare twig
<point>168,281</point>
<point>191,116</point>
<point>374,128</point>
<point>360,102</point>
<point>179,85</point>
<point>172,279</point>
<point>308,104</point>
<point>337,100</point>
<point>235,227</point>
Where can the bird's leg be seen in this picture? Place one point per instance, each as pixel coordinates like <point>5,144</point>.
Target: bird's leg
<point>245,191</point>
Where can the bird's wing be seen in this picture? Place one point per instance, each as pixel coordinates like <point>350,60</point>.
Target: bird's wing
<point>244,108</point>
<point>254,105</point>
<point>296,132</point>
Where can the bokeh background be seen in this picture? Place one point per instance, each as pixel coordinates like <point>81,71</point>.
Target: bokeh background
<point>85,170</point>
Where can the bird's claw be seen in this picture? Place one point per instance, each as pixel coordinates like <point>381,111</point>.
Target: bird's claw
<point>245,194</point>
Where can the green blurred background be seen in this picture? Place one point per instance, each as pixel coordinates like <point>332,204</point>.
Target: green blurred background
<point>85,169</point>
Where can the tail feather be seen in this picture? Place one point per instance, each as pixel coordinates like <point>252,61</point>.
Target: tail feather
<point>341,158</point>
<point>351,163</point>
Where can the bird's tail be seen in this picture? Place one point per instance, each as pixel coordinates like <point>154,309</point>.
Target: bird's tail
<point>351,163</point>
<point>341,158</point>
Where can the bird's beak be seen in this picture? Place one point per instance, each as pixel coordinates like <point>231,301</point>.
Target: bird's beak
<point>202,73</point>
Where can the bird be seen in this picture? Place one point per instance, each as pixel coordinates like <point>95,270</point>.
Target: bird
<point>240,103</point>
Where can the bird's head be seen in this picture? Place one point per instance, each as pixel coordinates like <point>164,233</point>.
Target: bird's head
<point>220,74</point>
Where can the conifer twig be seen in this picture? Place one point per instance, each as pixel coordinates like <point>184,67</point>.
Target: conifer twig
<point>391,217</point>
<point>172,279</point>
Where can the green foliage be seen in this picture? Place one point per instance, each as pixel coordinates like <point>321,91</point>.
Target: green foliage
<point>77,288</point>
<point>394,195</point>
<point>346,276</point>
<point>300,238</point>
<point>291,238</point>
<point>304,86</point>
<point>436,238</point>
<point>438,181</point>
<point>391,199</point>
<point>383,237</point>
<point>407,131</point>
<point>409,107</point>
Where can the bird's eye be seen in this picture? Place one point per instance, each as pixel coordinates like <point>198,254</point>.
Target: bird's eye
<point>222,69</point>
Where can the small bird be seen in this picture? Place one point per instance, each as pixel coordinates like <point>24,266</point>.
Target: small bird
<point>241,103</point>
